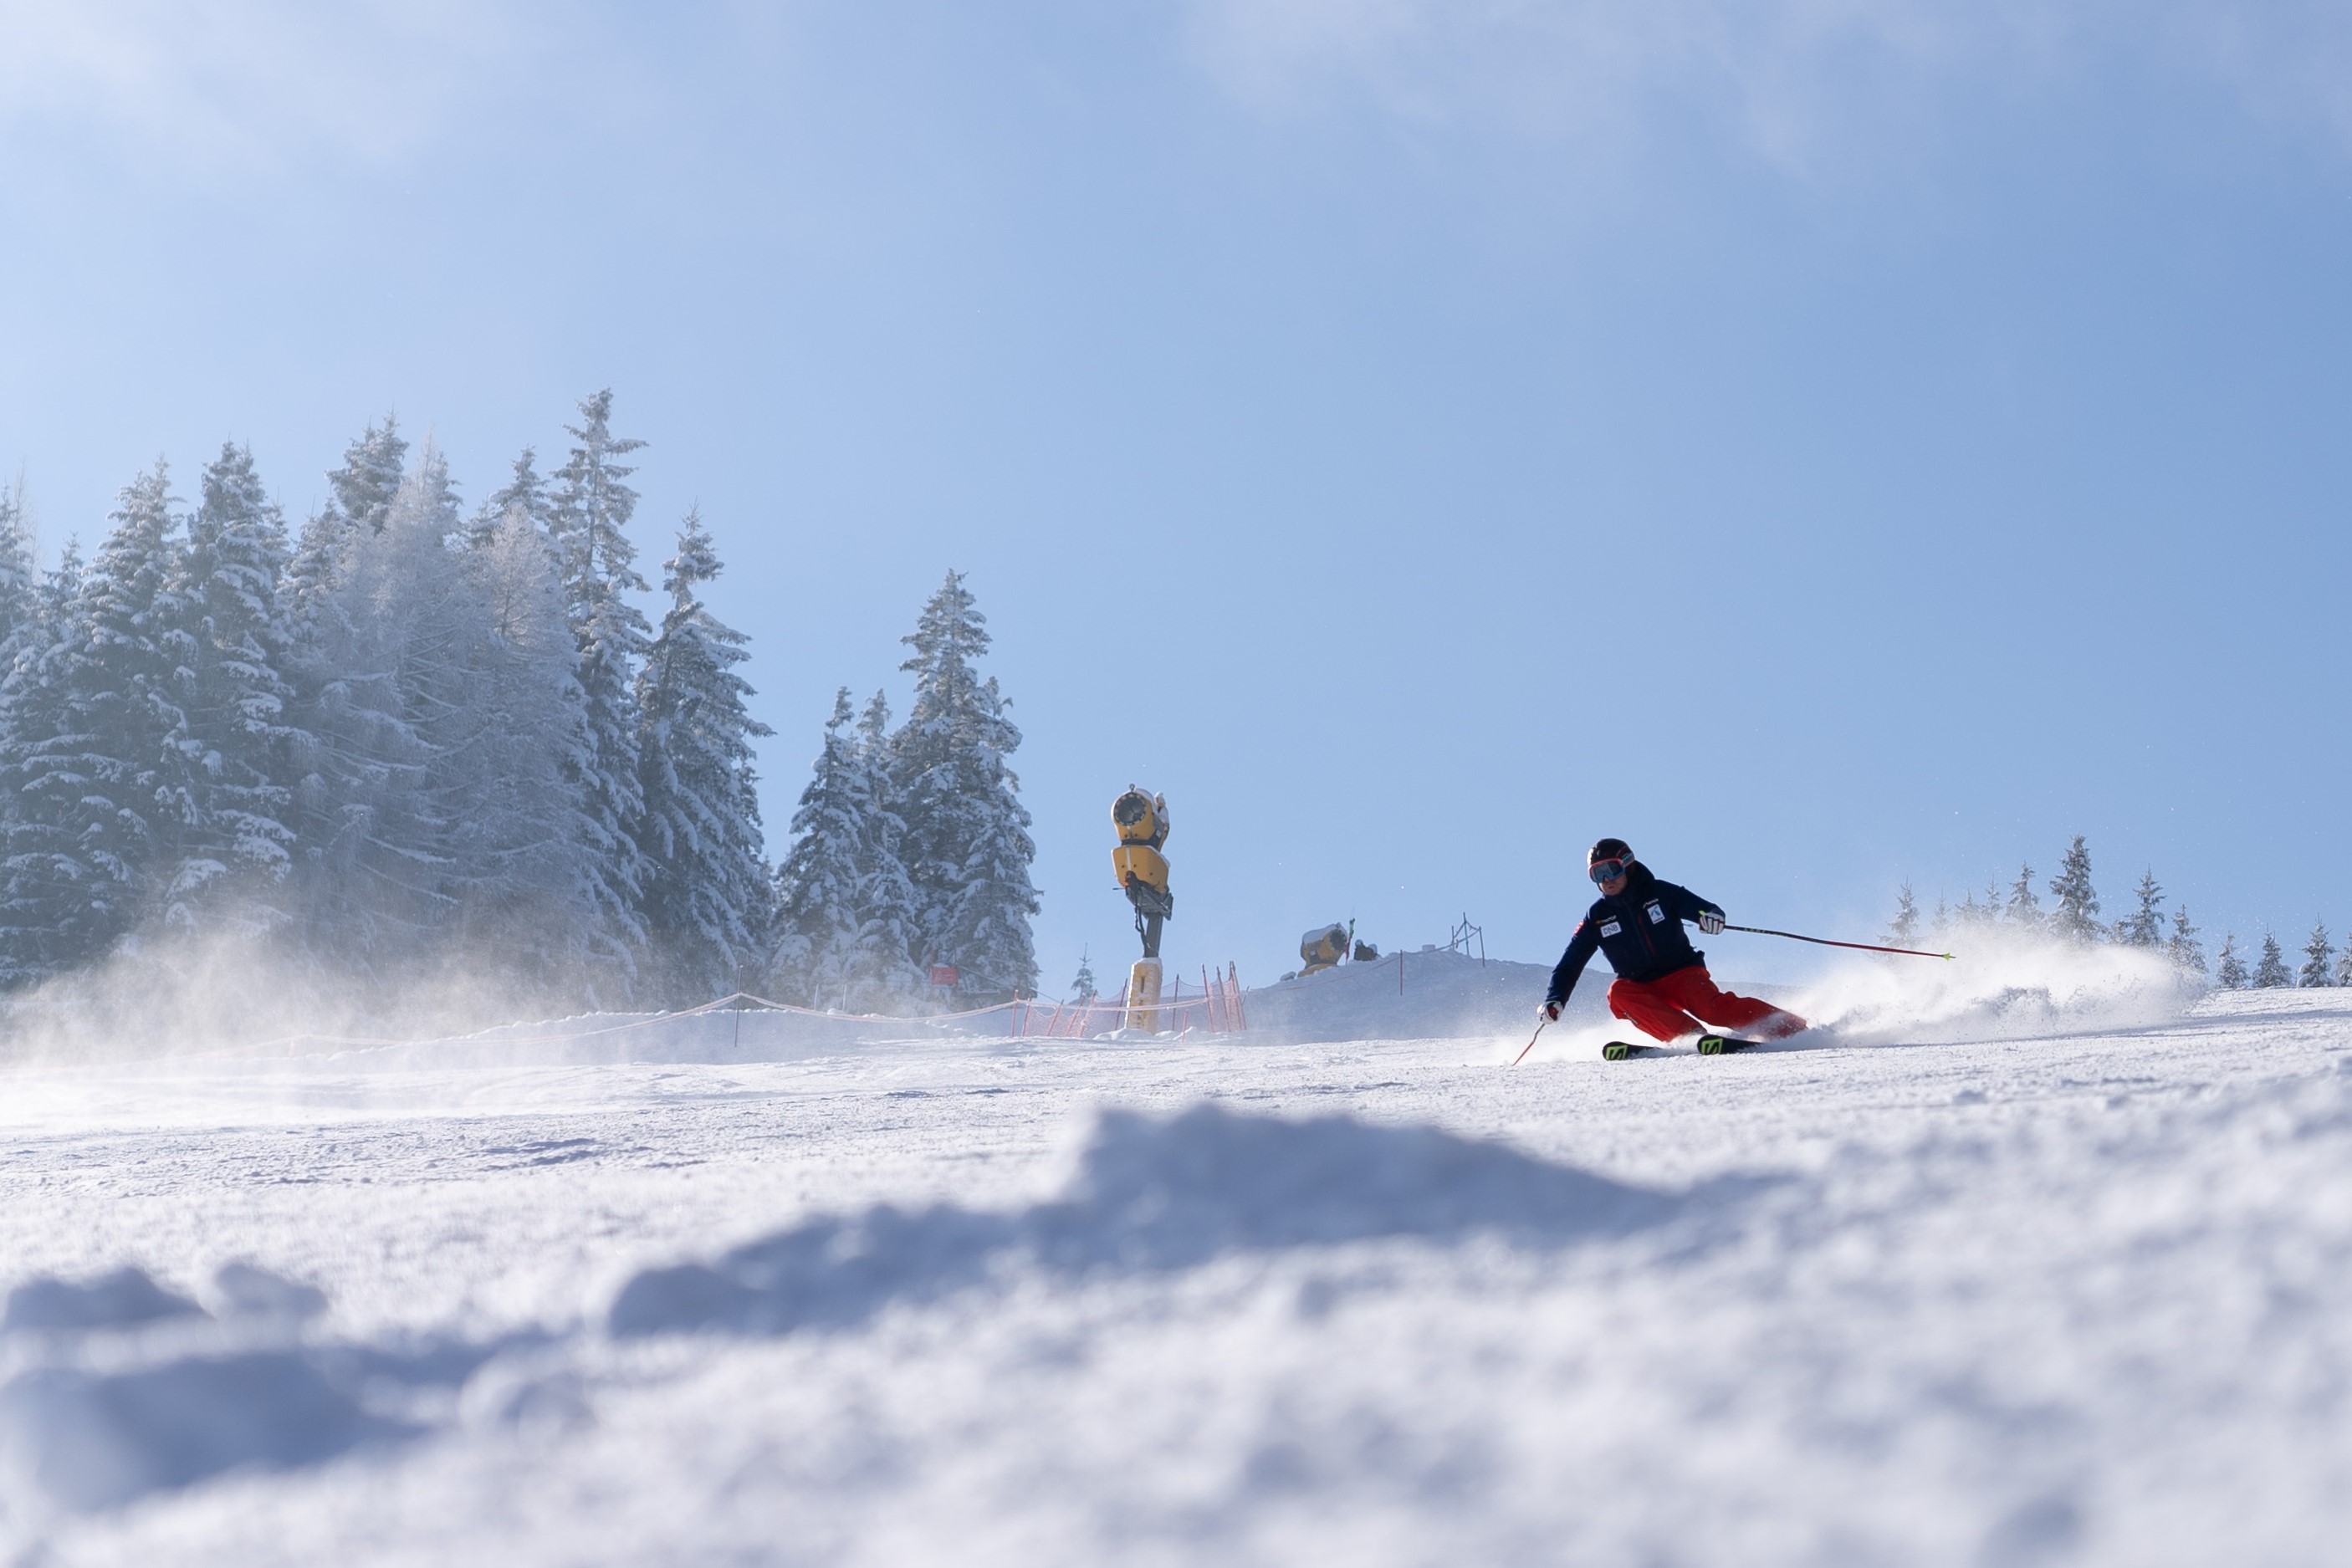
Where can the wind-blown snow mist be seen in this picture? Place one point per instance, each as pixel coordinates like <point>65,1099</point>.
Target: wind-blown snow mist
<point>177,995</point>
<point>2002,986</point>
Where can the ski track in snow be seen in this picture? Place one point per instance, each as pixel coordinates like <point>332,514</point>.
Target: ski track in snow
<point>2074,1298</point>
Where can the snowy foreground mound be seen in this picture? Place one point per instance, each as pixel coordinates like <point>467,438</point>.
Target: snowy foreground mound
<point>2083,1294</point>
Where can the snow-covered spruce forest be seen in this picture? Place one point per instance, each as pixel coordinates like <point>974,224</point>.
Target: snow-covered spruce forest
<point>2074,916</point>
<point>409,744</point>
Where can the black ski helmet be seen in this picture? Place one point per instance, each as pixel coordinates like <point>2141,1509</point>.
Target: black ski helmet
<point>1609,850</point>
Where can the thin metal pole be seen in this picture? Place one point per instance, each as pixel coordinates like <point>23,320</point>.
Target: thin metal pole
<point>1825,942</point>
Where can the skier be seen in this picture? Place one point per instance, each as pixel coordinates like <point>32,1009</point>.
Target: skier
<point>1662,987</point>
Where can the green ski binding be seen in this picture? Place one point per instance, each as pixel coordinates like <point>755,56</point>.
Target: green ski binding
<point>1723,1045</point>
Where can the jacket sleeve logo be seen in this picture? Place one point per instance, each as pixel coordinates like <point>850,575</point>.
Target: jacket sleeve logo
<point>1611,928</point>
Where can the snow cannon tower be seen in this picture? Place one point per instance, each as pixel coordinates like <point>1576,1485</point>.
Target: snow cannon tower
<point>1142,873</point>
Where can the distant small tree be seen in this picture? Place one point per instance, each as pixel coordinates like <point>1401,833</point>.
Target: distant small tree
<point>2318,954</point>
<point>1941,924</point>
<point>1082,989</point>
<point>2184,948</point>
<point>2024,909</point>
<point>2077,918</point>
<point>2344,966</point>
<point>2271,974</point>
<point>2231,974</point>
<point>1904,928</point>
<point>2144,927</point>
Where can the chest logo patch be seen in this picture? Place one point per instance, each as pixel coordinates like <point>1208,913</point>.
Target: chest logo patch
<point>1657,915</point>
<point>1611,928</point>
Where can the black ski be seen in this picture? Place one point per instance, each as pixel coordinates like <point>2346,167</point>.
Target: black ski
<point>1620,1050</point>
<point>1724,1044</point>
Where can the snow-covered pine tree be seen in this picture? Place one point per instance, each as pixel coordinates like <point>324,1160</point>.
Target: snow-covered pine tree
<point>374,467</point>
<point>1904,929</point>
<point>20,617</point>
<point>347,752</point>
<point>887,968</point>
<point>2344,966</point>
<point>819,881</point>
<point>84,766</point>
<point>1082,989</point>
<point>846,909</point>
<point>360,498</point>
<point>19,584</point>
<point>60,592</point>
<point>2231,973</point>
<point>20,603</point>
<point>2077,917</point>
<point>969,849</point>
<point>2144,927</point>
<point>523,491</point>
<point>35,888</point>
<point>706,898</point>
<point>2183,949</point>
<point>521,844</point>
<point>224,629</point>
<point>2318,968</point>
<point>1941,925</point>
<point>406,629</point>
<point>2270,972</point>
<point>2024,909</point>
<point>590,511</point>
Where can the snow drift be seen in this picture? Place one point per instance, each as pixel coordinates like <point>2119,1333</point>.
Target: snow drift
<point>1146,1196</point>
<point>125,1388</point>
<point>88,1439</point>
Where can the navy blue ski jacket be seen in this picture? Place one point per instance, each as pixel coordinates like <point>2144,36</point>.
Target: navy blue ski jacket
<point>1640,930</point>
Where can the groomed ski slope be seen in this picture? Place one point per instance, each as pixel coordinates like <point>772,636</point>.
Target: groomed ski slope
<point>2036,1262</point>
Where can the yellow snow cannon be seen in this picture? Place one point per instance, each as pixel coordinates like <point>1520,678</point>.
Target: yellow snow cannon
<point>1142,872</point>
<point>1141,818</point>
<point>1325,947</point>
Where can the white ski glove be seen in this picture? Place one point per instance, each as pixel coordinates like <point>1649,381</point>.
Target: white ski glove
<point>1548,1013</point>
<point>1711,923</point>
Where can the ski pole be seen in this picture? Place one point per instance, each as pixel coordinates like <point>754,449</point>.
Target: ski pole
<point>1531,1041</point>
<point>1825,942</point>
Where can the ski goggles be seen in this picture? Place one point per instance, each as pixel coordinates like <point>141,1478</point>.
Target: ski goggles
<point>1607,871</point>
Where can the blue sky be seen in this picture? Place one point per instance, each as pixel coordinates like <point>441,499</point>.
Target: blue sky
<point>1824,441</point>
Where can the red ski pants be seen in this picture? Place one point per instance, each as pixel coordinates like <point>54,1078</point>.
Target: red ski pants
<point>1682,1001</point>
